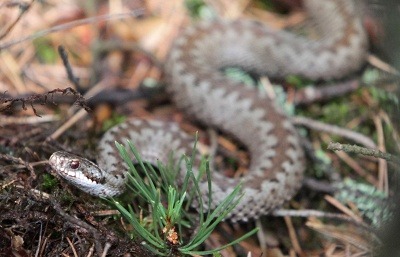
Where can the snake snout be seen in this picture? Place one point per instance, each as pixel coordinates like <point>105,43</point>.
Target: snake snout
<point>56,161</point>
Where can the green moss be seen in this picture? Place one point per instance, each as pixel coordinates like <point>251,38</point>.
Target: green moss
<point>114,120</point>
<point>49,182</point>
<point>198,9</point>
<point>335,112</point>
<point>297,81</point>
<point>45,51</point>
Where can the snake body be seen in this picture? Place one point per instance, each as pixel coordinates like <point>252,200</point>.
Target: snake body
<point>199,87</point>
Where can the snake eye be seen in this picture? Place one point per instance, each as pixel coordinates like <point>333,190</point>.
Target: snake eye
<point>74,165</point>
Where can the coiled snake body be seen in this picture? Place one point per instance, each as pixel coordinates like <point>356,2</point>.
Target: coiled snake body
<point>199,87</point>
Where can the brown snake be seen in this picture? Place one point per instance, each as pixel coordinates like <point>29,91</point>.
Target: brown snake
<point>200,89</point>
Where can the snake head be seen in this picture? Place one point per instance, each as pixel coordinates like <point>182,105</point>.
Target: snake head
<point>82,173</point>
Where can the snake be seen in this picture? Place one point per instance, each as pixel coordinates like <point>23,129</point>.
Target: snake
<point>198,85</point>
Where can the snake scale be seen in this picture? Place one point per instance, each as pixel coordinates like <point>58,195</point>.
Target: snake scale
<point>199,87</point>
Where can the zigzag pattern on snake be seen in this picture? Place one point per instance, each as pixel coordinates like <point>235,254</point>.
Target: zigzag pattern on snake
<point>198,87</point>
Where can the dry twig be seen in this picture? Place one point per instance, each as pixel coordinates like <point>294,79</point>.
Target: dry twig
<point>23,8</point>
<point>7,102</point>
<point>320,126</point>
<point>134,13</point>
<point>364,151</point>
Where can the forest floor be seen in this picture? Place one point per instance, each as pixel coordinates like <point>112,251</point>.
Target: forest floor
<point>115,50</point>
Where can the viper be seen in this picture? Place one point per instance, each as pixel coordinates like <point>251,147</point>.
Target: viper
<point>199,87</point>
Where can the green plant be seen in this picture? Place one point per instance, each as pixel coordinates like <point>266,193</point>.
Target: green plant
<point>49,182</point>
<point>372,203</point>
<point>163,236</point>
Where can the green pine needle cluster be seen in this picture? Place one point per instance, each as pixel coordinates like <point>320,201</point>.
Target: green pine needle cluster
<point>170,221</point>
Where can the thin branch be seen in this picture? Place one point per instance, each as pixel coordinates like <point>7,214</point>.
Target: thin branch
<point>7,120</point>
<point>319,186</point>
<point>7,102</point>
<point>332,129</point>
<point>112,96</point>
<point>378,63</point>
<point>109,45</point>
<point>312,94</point>
<point>64,57</point>
<point>81,113</point>
<point>23,8</point>
<point>364,151</point>
<point>65,26</point>
<point>318,214</point>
